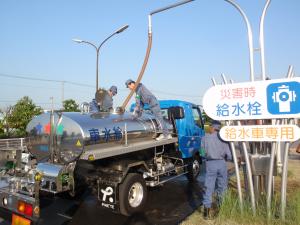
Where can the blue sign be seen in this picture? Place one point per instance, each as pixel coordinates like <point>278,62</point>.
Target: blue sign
<point>283,98</point>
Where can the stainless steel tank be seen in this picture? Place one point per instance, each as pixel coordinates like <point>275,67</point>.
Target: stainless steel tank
<point>73,131</point>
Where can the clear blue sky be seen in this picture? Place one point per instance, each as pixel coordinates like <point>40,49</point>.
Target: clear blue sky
<point>191,44</point>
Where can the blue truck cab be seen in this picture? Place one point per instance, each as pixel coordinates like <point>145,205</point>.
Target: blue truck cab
<point>189,129</point>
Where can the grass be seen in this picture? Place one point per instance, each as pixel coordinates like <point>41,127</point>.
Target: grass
<point>230,214</point>
<point>230,210</point>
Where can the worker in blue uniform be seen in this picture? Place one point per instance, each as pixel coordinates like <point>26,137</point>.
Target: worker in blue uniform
<point>217,152</point>
<point>103,101</point>
<point>144,96</point>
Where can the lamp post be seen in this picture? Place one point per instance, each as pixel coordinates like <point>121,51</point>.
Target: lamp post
<point>121,29</point>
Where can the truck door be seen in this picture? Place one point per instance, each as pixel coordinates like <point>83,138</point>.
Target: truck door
<point>190,130</point>
<point>198,129</point>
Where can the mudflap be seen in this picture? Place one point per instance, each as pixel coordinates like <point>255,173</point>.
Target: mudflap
<point>108,195</point>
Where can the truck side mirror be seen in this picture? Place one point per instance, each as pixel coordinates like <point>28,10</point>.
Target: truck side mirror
<point>203,119</point>
<point>176,112</point>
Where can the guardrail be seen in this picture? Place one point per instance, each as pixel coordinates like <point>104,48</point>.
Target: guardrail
<point>13,147</point>
<point>13,144</point>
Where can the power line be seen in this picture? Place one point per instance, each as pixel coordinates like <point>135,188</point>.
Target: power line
<point>43,87</point>
<point>179,95</point>
<point>91,86</point>
<point>29,86</point>
<point>43,103</point>
<point>46,80</point>
<point>168,93</point>
<point>29,78</point>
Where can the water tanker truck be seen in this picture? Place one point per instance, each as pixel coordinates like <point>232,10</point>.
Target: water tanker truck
<point>112,153</point>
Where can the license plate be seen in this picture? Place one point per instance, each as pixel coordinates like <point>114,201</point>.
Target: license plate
<point>18,220</point>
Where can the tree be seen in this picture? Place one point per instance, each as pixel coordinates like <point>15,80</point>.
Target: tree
<point>20,115</point>
<point>5,130</point>
<point>1,123</point>
<point>70,106</point>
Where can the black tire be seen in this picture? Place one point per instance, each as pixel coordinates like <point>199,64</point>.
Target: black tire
<point>132,194</point>
<point>194,167</point>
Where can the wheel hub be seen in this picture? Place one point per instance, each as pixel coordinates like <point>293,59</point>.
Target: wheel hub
<point>136,194</point>
<point>196,167</point>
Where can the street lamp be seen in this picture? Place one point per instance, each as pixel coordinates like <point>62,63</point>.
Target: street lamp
<point>121,29</point>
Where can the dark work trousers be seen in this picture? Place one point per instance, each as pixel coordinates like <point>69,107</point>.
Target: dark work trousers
<point>215,177</point>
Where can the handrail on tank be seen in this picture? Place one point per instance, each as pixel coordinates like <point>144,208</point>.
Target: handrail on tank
<point>149,48</point>
<point>51,136</point>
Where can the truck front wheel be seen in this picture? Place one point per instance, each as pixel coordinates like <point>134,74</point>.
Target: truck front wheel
<point>132,194</point>
<point>193,168</point>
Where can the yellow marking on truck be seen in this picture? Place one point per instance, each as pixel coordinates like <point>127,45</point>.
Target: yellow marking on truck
<point>78,144</point>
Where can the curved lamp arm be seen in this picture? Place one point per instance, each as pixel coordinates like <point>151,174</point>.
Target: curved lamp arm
<point>121,29</point>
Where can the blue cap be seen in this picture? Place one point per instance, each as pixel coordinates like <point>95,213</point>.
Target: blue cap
<point>114,90</point>
<point>128,82</point>
<point>216,124</point>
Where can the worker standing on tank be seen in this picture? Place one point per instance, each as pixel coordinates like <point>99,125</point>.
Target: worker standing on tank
<point>144,96</point>
<point>217,152</point>
<point>103,101</point>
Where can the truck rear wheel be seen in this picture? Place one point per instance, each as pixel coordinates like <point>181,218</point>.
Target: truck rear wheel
<point>132,194</point>
<point>193,168</point>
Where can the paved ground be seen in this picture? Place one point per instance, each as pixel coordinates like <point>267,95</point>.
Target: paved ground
<point>167,205</point>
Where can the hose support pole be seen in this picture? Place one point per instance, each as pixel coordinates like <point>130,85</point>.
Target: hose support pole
<point>137,82</point>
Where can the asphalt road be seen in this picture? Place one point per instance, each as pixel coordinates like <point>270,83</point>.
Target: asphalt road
<point>166,205</point>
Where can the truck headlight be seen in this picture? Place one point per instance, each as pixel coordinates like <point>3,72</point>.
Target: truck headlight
<point>4,201</point>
